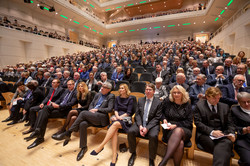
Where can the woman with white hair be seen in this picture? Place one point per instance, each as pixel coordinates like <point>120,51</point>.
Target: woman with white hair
<point>160,90</point>
<point>178,118</point>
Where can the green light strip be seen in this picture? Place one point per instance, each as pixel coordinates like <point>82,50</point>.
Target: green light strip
<point>107,9</point>
<point>64,16</point>
<point>120,31</point>
<point>230,3</point>
<point>94,30</point>
<point>118,7</point>
<point>216,19</point>
<point>222,11</point>
<point>186,24</point>
<point>86,26</point>
<point>46,8</point>
<point>101,33</point>
<point>76,22</point>
<point>130,4</point>
<point>31,2</point>
<point>144,29</point>
<point>143,2</point>
<point>85,0</point>
<point>171,25</point>
<point>131,30</point>
<point>91,5</point>
<point>157,27</point>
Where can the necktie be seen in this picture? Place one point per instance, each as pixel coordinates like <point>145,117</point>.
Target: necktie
<point>48,103</point>
<point>213,109</point>
<point>206,71</point>
<point>28,96</point>
<point>145,115</point>
<point>228,71</point>
<point>158,75</point>
<point>66,98</point>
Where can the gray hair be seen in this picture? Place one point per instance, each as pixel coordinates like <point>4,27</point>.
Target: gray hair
<point>103,73</point>
<point>158,79</point>
<point>108,85</point>
<point>34,82</point>
<point>238,75</point>
<point>180,75</point>
<point>241,95</point>
<point>203,76</point>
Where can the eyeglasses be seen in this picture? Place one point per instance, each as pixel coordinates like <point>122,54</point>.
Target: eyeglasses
<point>241,80</point>
<point>245,102</point>
<point>54,82</point>
<point>105,87</point>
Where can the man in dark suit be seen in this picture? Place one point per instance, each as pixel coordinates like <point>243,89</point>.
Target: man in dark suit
<point>66,78</point>
<point>241,118</point>
<point>242,69</point>
<point>57,109</point>
<point>97,115</point>
<point>229,69</point>
<point>104,79</point>
<point>207,69</point>
<point>230,91</point>
<point>180,80</point>
<point>147,119</point>
<point>175,66</point>
<point>160,73</point>
<point>197,91</point>
<point>77,79</point>
<point>47,80</point>
<point>218,78</point>
<point>214,126</point>
<point>53,95</point>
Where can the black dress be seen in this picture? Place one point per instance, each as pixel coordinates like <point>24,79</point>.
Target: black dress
<point>84,103</point>
<point>180,115</point>
<point>122,106</point>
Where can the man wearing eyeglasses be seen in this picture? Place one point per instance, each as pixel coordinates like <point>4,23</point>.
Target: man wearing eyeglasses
<point>96,115</point>
<point>230,91</point>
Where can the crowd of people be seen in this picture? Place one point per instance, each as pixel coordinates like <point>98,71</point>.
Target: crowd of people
<point>152,15</point>
<point>190,80</point>
<point>5,22</point>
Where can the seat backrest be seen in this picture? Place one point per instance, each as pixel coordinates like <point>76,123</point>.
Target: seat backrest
<point>139,69</point>
<point>134,105</point>
<point>138,86</point>
<point>134,77</point>
<point>121,82</point>
<point>146,77</point>
<point>150,69</point>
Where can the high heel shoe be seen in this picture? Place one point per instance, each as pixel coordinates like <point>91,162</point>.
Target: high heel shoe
<point>94,153</point>
<point>113,164</point>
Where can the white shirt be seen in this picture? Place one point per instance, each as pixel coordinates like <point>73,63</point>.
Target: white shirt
<point>210,106</point>
<point>245,110</point>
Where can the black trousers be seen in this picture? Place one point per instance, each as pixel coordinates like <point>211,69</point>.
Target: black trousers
<point>220,148</point>
<point>152,135</point>
<point>83,121</point>
<point>244,154</point>
<point>44,114</point>
<point>32,115</point>
<point>15,109</point>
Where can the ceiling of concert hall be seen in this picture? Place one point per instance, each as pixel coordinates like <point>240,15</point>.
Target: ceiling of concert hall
<point>194,23</point>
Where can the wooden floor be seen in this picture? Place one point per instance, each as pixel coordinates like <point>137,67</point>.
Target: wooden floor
<point>13,149</point>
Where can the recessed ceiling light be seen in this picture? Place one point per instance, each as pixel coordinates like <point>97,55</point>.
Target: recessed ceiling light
<point>218,15</point>
<point>70,19</point>
<point>225,7</point>
<point>151,5</point>
<point>149,27</point>
<point>163,26</point>
<point>138,7</point>
<point>137,29</point>
<point>136,3</point>
<point>164,6</point>
<point>194,23</point>
<point>152,8</point>
<point>38,4</point>
<point>204,22</point>
<point>126,31</point>
<point>178,24</point>
<point>56,13</point>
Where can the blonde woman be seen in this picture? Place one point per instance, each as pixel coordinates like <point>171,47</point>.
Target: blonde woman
<point>123,110</point>
<point>177,115</point>
<point>84,99</point>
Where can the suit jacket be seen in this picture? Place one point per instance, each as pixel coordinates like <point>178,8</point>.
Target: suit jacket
<point>211,70</point>
<point>154,115</point>
<point>233,72</point>
<point>37,98</point>
<point>184,85</point>
<point>211,80</point>
<point>59,91</point>
<point>241,119</point>
<point>194,91</point>
<point>201,118</point>
<point>48,82</point>
<point>72,100</point>
<point>106,107</point>
<point>64,82</point>
<point>114,77</point>
<point>164,76</point>
<point>173,69</point>
<point>228,94</point>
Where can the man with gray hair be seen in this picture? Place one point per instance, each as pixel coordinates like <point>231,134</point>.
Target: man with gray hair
<point>197,91</point>
<point>97,115</point>
<point>230,91</point>
<point>240,114</point>
<point>180,80</point>
<point>47,80</point>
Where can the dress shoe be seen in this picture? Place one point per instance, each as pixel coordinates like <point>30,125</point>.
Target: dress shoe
<point>81,153</point>
<point>94,153</point>
<point>131,160</point>
<point>13,122</point>
<point>7,119</point>
<point>66,135</point>
<point>23,119</point>
<point>151,162</point>
<point>36,142</point>
<point>28,131</point>
<point>27,124</point>
<point>32,135</point>
<point>113,164</point>
<point>57,133</point>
